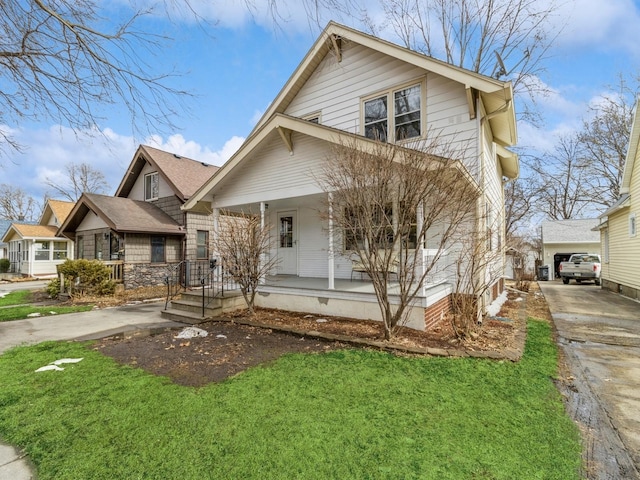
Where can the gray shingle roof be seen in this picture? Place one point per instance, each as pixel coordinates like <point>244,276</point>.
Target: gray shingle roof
<point>570,231</point>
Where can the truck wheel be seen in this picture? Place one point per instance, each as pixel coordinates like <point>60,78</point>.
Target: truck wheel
<point>597,281</point>
<point>578,282</point>
<point>565,280</point>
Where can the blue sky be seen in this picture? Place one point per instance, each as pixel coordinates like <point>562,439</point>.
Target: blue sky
<point>238,67</point>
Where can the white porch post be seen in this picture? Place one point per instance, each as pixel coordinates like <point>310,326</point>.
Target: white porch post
<point>216,230</point>
<point>420,239</point>
<point>263,209</point>
<point>331,251</point>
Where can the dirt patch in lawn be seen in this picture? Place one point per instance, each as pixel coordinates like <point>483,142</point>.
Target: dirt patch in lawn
<point>239,342</point>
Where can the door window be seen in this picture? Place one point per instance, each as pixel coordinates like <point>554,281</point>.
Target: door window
<point>286,232</point>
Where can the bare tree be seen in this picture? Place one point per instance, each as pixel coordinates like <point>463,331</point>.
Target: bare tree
<point>16,204</point>
<point>390,203</point>
<point>563,190</point>
<point>62,60</point>
<point>498,38</point>
<point>243,244</point>
<point>478,267</point>
<point>80,177</point>
<point>518,200</point>
<point>605,138</point>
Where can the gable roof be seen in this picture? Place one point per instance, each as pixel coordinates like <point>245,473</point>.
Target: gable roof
<point>632,150</point>
<point>28,231</point>
<point>496,95</point>
<point>570,231</point>
<point>183,175</point>
<point>4,226</point>
<point>284,125</point>
<point>59,208</point>
<point>121,214</point>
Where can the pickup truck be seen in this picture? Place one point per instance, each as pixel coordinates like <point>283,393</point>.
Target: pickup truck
<point>581,267</point>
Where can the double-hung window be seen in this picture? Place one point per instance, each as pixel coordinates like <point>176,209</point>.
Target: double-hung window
<point>395,115</point>
<point>151,186</point>
<point>59,250</point>
<point>42,250</point>
<point>157,249</point>
<point>202,244</point>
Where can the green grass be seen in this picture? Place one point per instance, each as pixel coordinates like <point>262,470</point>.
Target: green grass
<point>18,297</point>
<point>22,312</point>
<point>13,307</point>
<point>349,414</point>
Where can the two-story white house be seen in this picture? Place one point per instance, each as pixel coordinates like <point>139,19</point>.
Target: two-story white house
<point>353,83</point>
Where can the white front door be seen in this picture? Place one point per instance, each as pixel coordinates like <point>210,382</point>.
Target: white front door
<point>287,243</point>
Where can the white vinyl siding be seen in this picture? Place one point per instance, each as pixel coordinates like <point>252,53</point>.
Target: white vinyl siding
<point>337,89</point>
<point>272,173</point>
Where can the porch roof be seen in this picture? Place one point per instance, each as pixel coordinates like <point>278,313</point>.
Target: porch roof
<point>122,215</point>
<point>29,232</point>
<point>285,125</point>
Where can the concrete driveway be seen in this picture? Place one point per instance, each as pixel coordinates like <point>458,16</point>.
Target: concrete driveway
<point>599,334</point>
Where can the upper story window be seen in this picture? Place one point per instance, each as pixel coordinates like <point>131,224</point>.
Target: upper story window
<point>401,108</point>
<point>151,186</point>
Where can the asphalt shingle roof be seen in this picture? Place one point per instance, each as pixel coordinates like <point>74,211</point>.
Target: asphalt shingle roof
<point>570,231</point>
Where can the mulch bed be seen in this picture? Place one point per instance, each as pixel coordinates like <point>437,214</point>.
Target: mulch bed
<point>240,342</point>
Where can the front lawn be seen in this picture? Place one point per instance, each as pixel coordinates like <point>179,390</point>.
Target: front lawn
<point>19,297</point>
<point>14,306</point>
<point>346,414</point>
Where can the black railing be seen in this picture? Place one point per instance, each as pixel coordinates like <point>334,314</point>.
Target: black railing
<point>209,275</point>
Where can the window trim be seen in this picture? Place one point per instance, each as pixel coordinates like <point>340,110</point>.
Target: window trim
<point>164,249</point>
<point>391,109</point>
<point>42,250</point>
<point>205,245</point>
<point>150,197</point>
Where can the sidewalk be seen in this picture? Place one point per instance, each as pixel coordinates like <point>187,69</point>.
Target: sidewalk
<point>73,326</point>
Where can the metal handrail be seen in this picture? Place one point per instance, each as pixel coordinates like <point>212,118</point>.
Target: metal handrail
<point>209,275</point>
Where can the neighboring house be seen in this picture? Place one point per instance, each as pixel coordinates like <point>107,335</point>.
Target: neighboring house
<point>521,262</point>
<point>4,247</point>
<point>35,250</point>
<point>350,83</point>
<point>141,230</point>
<point>561,238</point>
<point>619,226</point>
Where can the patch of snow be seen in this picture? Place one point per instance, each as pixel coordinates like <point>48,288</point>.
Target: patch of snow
<point>308,316</point>
<point>221,336</point>
<point>50,367</point>
<point>34,314</point>
<point>53,313</point>
<point>4,294</point>
<point>67,360</point>
<point>322,320</point>
<point>495,306</point>
<point>191,332</point>
<point>54,365</point>
<point>519,299</point>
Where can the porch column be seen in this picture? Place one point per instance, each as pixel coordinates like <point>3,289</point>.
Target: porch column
<point>420,239</point>
<point>331,252</point>
<point>263,210</point>
<point>216,231</point>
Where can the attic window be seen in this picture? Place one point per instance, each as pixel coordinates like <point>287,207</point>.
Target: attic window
<point>151,186</point>
<point>395,115</point>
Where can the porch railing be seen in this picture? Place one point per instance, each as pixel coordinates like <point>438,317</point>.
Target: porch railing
<point>117,270</point>
<point>208,275</point>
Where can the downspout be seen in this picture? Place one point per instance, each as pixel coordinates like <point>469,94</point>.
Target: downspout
<point>480,206</point>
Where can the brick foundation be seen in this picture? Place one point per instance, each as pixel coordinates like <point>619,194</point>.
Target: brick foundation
<point>436,312</point>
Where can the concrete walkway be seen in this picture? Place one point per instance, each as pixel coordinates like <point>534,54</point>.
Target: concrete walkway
<point>74,326</point>
<point>599,335</point>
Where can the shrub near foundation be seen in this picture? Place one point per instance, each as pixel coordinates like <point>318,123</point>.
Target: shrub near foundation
<point>86,277</point>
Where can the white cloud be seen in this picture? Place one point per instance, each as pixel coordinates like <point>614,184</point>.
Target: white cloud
<point>190,149</point>
<point>608,26</point>
<point>50,150</point>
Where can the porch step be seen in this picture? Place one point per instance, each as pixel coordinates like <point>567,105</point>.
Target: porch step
<point>188,308</point>
<point>182,316</point>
